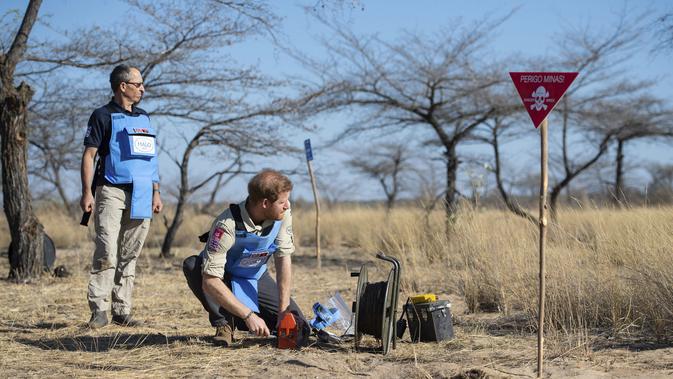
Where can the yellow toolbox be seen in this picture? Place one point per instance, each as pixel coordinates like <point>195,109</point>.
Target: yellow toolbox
<point>424,298</point>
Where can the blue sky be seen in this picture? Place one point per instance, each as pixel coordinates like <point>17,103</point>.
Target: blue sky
<point>529,32</point>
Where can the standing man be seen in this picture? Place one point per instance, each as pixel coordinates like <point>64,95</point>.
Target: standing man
<point>230,278</point>
<point>126,185</point>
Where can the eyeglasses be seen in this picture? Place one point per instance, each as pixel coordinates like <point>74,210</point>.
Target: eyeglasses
<point>136,84</point>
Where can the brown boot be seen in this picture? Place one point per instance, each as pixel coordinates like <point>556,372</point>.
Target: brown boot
<point>224,335</point>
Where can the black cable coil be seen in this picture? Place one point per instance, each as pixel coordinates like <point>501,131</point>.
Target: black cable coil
<point>370,316</point>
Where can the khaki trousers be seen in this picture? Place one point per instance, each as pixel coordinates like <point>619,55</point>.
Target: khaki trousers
<point>119,240</point>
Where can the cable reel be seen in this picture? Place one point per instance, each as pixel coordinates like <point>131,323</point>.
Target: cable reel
<point>375,306</point>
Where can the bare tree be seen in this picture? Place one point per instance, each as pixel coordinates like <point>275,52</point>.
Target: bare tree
<point>422,83</point>
<point>498,127</point>
<point>246,133</point>
<point>496,131</point>
<point>192,82</point>
<point>664,30</point>
<point>221,180</point>
<point>660,187</point>
<point>644,116</point>
<point>598,57</point>
<point>430,193</point>
<point>25,253</point>
<point>55,124</point>
<point>333,186</point>
<point>386,164</point>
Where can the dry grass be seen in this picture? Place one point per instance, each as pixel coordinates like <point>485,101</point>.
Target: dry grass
<point>609,275</point>
<point>43,333</point>
<point>68,234</point>
<point>605,268</point>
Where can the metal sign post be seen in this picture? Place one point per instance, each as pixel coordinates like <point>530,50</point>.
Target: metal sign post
<point>540,92</point>
<point>309,158</point>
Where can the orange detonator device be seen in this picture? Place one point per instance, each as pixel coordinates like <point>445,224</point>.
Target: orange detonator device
<point>292,333</point>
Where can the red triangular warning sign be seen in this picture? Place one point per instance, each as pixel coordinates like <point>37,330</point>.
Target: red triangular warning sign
<point>541,91</point>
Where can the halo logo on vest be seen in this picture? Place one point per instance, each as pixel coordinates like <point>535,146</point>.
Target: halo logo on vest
<point>133,160</point>
<point>142,145</point>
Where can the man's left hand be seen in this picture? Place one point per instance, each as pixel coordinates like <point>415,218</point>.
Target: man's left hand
<point>157,205</point>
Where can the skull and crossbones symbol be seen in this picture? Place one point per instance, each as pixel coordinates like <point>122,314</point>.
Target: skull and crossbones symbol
<point>539,95</point>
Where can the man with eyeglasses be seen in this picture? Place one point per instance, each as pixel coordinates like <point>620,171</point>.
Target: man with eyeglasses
<point>126,187</point>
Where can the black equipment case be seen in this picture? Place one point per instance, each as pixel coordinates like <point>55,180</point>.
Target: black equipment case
<point>429,322</point>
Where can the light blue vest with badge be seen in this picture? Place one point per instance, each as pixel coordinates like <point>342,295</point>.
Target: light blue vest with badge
<point>133,160</point>
<point>246,260</point>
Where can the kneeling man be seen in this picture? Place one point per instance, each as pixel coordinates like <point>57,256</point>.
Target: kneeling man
<point>230,278</point>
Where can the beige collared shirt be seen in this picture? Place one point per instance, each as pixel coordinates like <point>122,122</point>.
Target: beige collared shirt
<point>223,234</point>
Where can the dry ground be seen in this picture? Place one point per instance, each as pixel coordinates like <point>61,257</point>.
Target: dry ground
<point>43,333</point>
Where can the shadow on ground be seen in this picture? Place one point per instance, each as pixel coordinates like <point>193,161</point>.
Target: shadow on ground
<point>601,339</point>
<point>498,326</point>
<point>247,342</point>
<point>630,344</point>
<point>29,328</point>
<point>105,343</point>
<point>133,341</point>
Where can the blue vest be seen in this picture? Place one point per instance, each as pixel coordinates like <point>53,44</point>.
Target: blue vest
<point>246,260</point>
<point>133,160</point>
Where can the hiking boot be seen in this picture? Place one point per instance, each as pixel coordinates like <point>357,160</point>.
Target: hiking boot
<point>224,335</point>
<point>98,320</point>
<point>126,320</point>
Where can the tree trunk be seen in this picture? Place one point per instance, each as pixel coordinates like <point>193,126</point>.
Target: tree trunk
<point>26,252</point>
<point>208,206</point>
<point>564,137</point>
<point>558,187</point>
<point>397,166</point>
<point>390,203</point>
<point>511,205</point>
<point>553,201</point>
<point>390,194</point>
<point>173,228</point>
<point>182,199</point>
<point>58,184</point>
<point>450,196</point>
<point>618,197</point>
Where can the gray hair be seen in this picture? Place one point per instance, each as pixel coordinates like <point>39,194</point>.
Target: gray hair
<point>119,74</point>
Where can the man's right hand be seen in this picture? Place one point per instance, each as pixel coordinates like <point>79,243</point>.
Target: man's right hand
<point>86,202</point>
<point>256,325</point>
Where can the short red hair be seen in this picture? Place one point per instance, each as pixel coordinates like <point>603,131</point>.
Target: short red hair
<point>268,184</point>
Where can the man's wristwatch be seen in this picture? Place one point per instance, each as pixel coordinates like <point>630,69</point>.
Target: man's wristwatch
<point>156,190</point>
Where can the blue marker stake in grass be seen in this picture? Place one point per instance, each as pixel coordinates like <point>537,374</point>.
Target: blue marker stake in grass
<point>307,148</point>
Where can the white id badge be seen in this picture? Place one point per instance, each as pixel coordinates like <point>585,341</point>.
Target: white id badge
<point>143,145</point>
<point>255,259</point>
